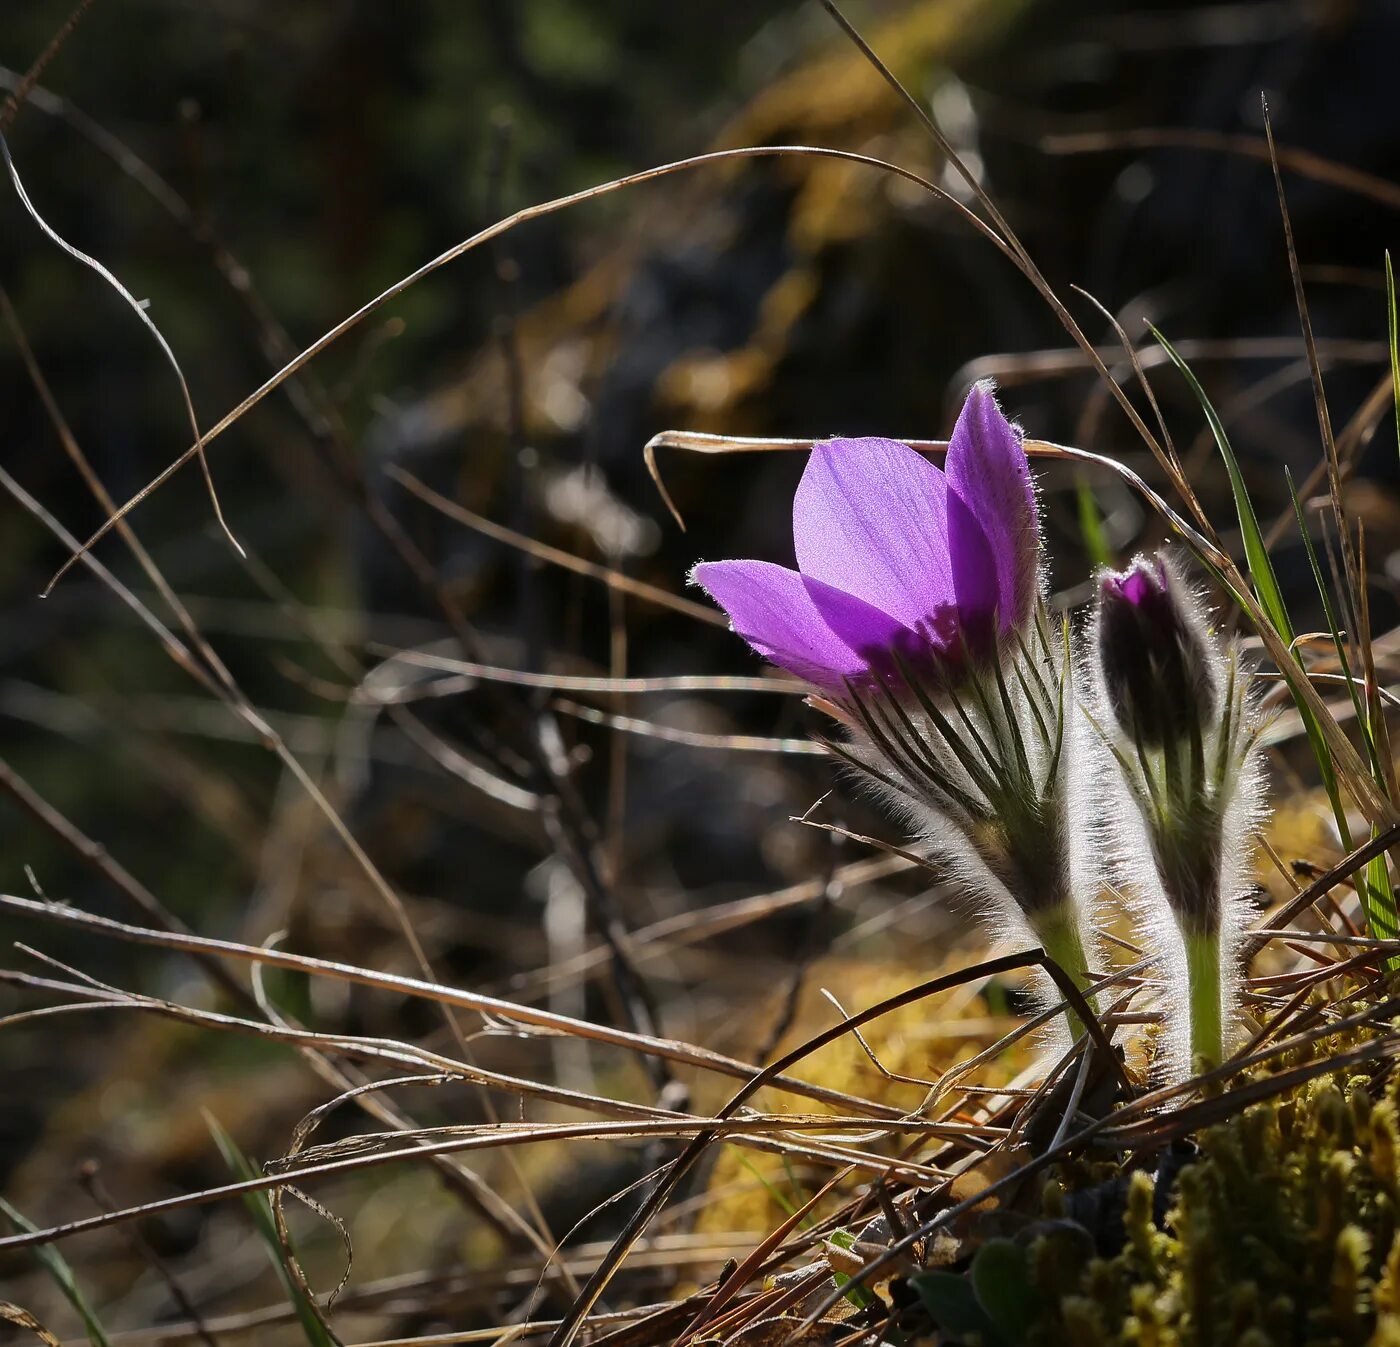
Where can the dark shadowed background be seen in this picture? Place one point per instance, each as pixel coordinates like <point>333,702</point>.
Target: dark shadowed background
<point>257,171</point>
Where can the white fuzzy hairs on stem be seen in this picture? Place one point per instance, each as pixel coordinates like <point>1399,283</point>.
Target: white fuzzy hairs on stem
<point>1179,795</point>
<point>990,776</point>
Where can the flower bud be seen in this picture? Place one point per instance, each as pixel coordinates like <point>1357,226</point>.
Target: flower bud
<point>1175,711</point>
<point>1158,669</point>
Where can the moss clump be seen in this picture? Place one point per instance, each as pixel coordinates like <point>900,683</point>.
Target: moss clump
<point>1282,1230</point>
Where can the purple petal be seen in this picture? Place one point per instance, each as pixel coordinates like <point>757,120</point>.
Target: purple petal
<point>1137,588</point>
<point>769,606</point>
<point>864,628</point>
<point>975,579</point>
<point>1142,584</point>
<point>887,646</point>
<point>987,469</point>
<point>870,520</point>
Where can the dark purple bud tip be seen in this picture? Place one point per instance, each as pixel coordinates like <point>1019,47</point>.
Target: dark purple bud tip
<point>1157,664</point>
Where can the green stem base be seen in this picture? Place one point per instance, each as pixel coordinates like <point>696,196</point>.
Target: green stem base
<point>1204,997</point>
<point>1058,933</point>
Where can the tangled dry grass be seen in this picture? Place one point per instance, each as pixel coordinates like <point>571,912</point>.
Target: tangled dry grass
<point>790,1166</point>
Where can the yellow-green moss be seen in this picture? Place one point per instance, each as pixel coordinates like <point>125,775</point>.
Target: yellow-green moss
<point>1282,1231</point>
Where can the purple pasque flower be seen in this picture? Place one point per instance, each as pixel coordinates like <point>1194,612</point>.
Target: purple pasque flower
<point>916,607</point>
<point>899,561</point>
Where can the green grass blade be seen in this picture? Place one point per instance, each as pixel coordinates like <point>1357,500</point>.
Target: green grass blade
<point>1376,891</point>
<point>260,1209</point>
<point>1382,916</point>
<point>1377,876</point>
<point>1091,534</point>
<point>856,1294</point>
<point>1378,897</point>
<point>771,1188</point>
<point>1334,627</point>
<point>1393,325</point>
<point>1261,568</point>
<point>57,1266</point>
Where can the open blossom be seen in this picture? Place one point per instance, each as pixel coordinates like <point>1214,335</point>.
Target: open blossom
<point>899,561</point>
<point>917,612</point>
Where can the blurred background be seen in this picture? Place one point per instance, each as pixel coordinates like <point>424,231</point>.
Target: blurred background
<point>255,173</point>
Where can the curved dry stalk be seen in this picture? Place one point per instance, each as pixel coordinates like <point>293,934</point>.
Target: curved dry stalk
<point>1305,163</point>
<point>9,109</point>
<point>704,442</point>
<point>556,556</point>
<point>139,309</point>
<point>468,671</point>
<point>509,1012</point>
<point>669,734</point>
<point>483,236</point>
<point>684,929</point>
<point>491,1136</point>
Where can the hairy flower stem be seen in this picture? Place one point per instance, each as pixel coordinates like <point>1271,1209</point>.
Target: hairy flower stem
<point>1059,937</point>
<point>1203,990</point>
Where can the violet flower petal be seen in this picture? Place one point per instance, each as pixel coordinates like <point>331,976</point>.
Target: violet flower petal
<point>871,633</point>
<point>981,605</point>
<point>769,606</point>
<point>987,469</point>
<point>870,519</point>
